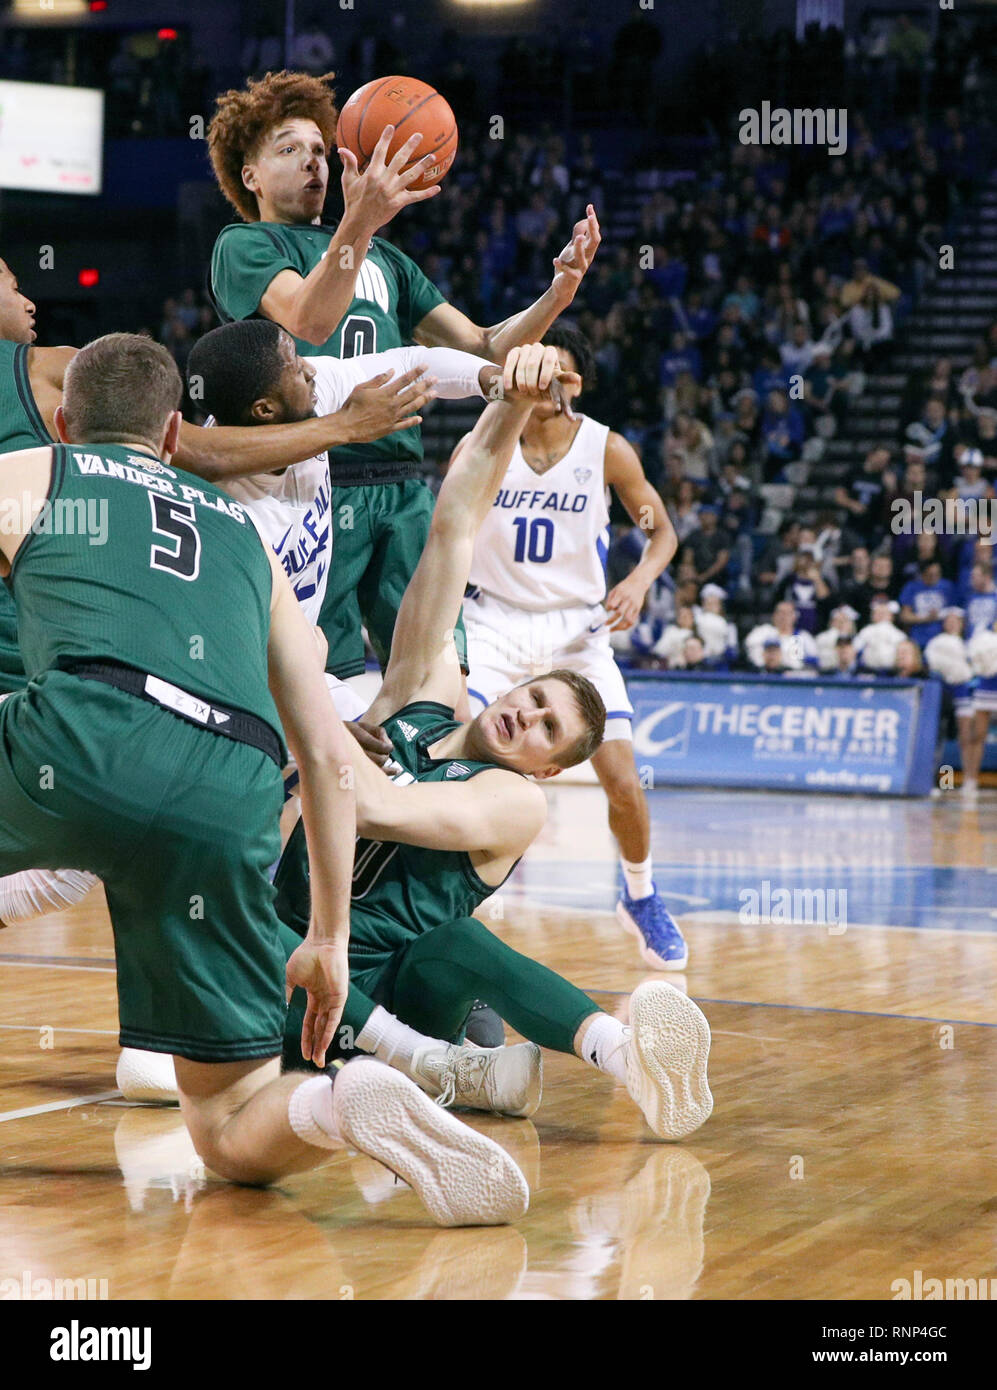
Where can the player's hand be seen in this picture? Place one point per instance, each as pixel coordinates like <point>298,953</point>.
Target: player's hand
<point>623,604</point>
<point>385,403</point>
<point>374,196</point>
<point>570,266</point>
<point>323,970</point>
<point>532,372</point>
<point>372,739</point>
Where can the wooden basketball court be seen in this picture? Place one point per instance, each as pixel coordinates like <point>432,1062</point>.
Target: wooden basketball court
<point>852,1143</point>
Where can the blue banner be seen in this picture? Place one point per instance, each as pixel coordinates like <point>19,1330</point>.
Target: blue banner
<point>770,731</point>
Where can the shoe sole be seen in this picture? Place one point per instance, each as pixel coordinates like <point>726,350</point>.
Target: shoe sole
<point>666,1060</point>
<point>653,959</point>
<point>462,1178</point>
<point>146,1077</point>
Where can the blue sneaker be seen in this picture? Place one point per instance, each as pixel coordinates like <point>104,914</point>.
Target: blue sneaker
<point>662,944</point>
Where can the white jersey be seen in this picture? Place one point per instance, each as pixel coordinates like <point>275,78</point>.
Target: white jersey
<point>291,509</point>
<point>544,542</point>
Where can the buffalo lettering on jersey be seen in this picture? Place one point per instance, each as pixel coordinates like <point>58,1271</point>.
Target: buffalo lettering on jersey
<point>540,499</point>
<point>311,543</point>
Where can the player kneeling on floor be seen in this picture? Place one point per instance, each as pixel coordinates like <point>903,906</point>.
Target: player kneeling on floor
<point>192,752</point>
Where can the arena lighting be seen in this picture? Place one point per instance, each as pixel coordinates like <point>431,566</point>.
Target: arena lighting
<point>491,4</point>
<point>97,5</point>
<point>166,35</point>
<point>88,278</point>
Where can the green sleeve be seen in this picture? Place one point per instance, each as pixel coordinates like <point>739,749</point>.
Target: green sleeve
<point>243,263</point>
<point>417,294</point>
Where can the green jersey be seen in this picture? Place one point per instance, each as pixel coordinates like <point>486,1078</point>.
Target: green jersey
<point>142,564</point>
<point>399,891</point>
<point>392,296</point>
<point>21,427</point>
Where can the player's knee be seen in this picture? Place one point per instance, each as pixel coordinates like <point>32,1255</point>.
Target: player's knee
<point>466,934</point>
<point>215,1154</point>
<point>620,782</point>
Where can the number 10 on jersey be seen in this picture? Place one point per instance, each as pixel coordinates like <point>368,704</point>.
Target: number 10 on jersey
<point>534,539</point>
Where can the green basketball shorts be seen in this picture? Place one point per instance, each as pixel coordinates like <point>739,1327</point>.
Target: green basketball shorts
<point>379,531</point>
<point>182,825</point>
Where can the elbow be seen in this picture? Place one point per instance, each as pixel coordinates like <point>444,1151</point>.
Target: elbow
<point>309,330</point>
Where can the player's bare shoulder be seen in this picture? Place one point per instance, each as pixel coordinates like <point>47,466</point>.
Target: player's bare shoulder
<point>622,463</point>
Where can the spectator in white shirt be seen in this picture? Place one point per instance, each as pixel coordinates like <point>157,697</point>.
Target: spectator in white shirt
<point>799,650</point>
<point>669,645</point>
<point>871,323</point>
<point>718,635</point>
<point>878,641</point>
<point>842,625</point>
<point>797,352</point>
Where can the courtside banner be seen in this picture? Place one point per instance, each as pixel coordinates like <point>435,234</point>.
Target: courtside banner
<point>770,731</point>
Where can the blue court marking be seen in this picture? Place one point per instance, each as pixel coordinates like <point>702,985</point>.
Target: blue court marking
<point>812,1009</point>
<point>922,896</point>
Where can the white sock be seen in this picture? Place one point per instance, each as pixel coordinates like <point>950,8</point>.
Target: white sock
<point>639,877</point>
<point>310,1114</point>
<point>602,1046</point>
<point>390,1040</point>
<point>33,892</point>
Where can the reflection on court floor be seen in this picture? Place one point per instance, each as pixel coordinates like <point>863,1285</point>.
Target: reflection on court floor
<point>852,1144</point>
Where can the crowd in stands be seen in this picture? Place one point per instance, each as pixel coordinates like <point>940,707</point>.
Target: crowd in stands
<point>740,305</point>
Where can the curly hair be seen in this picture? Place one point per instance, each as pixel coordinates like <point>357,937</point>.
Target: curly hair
<point>243,117</point>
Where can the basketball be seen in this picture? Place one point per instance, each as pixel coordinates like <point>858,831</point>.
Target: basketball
<point>410,106</point>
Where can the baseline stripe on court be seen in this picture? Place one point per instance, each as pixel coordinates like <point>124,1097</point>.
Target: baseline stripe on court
<point>808,1008</point>
<point>98,963</point>
<point>57,1105</point>
<point>35,1027</point>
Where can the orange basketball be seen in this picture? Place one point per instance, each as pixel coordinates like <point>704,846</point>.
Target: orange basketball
<point>409,105</point>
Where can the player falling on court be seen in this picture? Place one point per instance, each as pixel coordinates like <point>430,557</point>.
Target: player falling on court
<point>31,381</point>
<point>538,599</point>
<point>342,291</point>
<point>188,739</point>
<point>444,835</point>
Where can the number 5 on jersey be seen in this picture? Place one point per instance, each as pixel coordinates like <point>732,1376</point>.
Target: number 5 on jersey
<point>174,521</point>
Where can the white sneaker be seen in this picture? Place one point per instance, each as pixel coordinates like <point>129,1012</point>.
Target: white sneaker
<point>147,1076</point>
<point>508,1080</point>
<point>666,1059</point>
<point>970,789</point>
<point>463,1178</point>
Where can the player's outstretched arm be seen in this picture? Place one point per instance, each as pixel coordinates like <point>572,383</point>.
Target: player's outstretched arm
<point>444,373</point>
<point>423,659</point>
<point>374,408</point>
<point>325,756</point>
<point>625,475</point>
<point>446,326</point>
<point>497,813</point>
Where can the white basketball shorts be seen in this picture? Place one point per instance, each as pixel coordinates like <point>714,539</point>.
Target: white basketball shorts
<point>508,645</point>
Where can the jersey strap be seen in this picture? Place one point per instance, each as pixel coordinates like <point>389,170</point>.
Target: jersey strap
<point>22,384</point>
